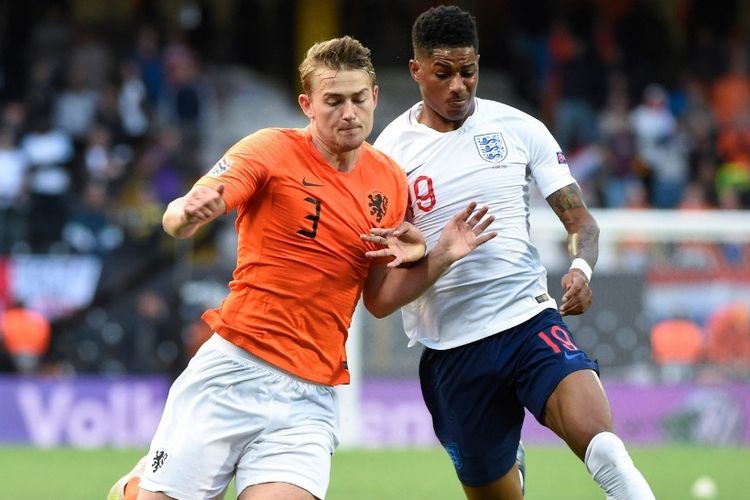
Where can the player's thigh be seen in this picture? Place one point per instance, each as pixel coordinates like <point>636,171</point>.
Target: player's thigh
<point>296,448</point>
<point>214,409</point>
<point>507,487</point>
<point>578,409</point>
<point>475,413</point>
<point>275,491</point>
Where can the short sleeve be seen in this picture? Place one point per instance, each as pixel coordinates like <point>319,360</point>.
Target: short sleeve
<point>547,162</point>
<point>244,169</point>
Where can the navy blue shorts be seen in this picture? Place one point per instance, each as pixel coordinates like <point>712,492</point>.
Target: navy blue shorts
<point>476,393</point>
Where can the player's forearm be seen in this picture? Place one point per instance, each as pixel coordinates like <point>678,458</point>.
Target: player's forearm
<point>583,231</point>
<point>399,286</point>
<point>583,241</point>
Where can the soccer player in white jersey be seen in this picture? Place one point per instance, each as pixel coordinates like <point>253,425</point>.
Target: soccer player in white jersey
<point>494,339</point>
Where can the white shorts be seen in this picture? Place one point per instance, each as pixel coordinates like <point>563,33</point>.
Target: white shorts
<point>231,413</point>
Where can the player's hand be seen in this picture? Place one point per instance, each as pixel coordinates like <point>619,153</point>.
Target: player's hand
<point>465,232</point>
<point>203,203</point>
<point>577,296</point>
<point>404,243</point>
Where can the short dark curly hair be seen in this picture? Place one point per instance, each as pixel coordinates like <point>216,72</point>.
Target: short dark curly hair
<point>443,26</point>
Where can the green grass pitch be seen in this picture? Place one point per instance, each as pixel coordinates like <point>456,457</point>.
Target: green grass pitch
<point>553,473</point>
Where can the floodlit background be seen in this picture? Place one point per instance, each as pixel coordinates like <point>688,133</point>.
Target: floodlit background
<point>110,109</point>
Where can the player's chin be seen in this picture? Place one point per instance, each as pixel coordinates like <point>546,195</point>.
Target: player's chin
<point>351,143</point>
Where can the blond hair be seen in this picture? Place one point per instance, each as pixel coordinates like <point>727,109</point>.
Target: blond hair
<point>344,53</point>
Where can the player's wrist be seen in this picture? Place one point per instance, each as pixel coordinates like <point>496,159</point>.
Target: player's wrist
<point>583,266</point>
<point>414,261</point>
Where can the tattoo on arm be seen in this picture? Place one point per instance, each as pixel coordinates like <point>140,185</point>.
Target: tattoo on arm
<point>565,199</point>
<point>583,232</point>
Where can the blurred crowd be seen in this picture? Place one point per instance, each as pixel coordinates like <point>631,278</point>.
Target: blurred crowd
<point>105,130</point>
<point>98,143</point>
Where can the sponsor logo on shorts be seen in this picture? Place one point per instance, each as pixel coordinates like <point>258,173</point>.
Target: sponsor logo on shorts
<point>455,454</point>
<point>159,458</point>
<point>570,356</point>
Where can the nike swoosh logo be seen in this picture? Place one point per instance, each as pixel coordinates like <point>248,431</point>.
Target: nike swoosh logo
<point>573,355</point>
<point>308,184</point>
<point>408,173</point>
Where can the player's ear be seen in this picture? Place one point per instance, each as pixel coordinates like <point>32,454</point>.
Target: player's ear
<point>414,69</point>
<point>306,105</point>
<point>375,95</point>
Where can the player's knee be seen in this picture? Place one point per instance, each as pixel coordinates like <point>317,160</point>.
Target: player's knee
<point>609,463</point>
<point>605,450</point>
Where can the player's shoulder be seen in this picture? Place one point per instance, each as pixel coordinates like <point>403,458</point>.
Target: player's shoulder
<point>382,159</point>
<point>506,111</point>
<point>269,139</point>
<point>395,128</point>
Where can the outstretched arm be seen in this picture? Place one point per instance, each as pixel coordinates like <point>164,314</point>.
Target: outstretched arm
<point>388,288</point>
<point>583,243</point>
<point>199,206</point>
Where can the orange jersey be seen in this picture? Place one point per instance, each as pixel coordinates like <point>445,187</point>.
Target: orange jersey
<point>301,264</point>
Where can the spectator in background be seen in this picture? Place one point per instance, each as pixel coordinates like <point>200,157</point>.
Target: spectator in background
<point>161,164</point>
<point>575,80</point>
<point>728,345</point>
<point>660,147</point>
<point>152,335</point>
<point>616,135</point>
<point>730,92</point>
<point>76,106</point>
<point>41,90</point>
<point>25,335</point>
<point>147,58</point>
<point>50,152</point>
<point>104,161</point>
<point>132,101</point>
<point>731,106</point>
<point>92,57</point>
<point>51,36</point>
<point>14,116</point>
<point>14,167</point>
<point>182,104</point>
<point>677,348</point>
<point>89,229</point>
<point>697,120</point>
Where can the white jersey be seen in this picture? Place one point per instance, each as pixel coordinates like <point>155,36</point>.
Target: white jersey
<point>490,159</point>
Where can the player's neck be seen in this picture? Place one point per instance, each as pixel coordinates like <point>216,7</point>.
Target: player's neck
<point>429,118</point>
<point>341,161</point>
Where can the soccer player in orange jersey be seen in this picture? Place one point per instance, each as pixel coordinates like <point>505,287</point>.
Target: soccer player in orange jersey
<point>314,212</point>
